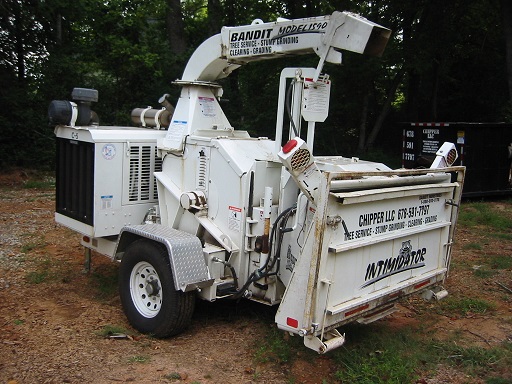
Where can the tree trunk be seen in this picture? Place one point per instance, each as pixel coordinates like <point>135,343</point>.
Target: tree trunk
<point>362,125</point>
<point>175,27</point>
<point>58,29</point>
<point>436,73</point>
<point>397,80</point>
<point>214,17</point>
<point>293,9</point>
<point>506,10</point>
<point>20,50</point>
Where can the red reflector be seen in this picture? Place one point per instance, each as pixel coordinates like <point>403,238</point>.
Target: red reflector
<point>86,239</point>
<point>292,322</point>
<point>289,145</point>
<point>421,284</point>
<point>358,309</point>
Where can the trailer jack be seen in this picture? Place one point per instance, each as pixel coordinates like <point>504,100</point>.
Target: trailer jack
<point>332,340</point>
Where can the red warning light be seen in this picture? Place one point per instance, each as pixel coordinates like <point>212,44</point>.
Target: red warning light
<point>289,145</point>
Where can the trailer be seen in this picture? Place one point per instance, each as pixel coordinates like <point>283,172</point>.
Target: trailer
<point>485,150</point>
<point>193,208</point>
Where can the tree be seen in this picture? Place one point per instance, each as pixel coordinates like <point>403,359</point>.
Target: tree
<point>175,27</point>
<point>506,10</point>
<point>445,61</point>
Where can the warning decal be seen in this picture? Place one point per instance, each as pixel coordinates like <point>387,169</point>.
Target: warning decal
<point>234,218</point>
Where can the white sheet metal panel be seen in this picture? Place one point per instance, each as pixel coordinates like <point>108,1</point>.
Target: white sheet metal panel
<point>391,237</point>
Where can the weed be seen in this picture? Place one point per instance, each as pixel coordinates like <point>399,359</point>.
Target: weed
<point>138,359</point>
<point>476,360</point>
<point>26,248</point>
<point>501,262</point>
<point>502,236</point>
<point>19,322</point>
<point>110,329</point>
<point>474,246</point>
<point>274,348</point>
<point>379,356</point>
<point>497,380</point>
<point>106,282</point>
<point>466,305</point>
<point>44,183</point>
<point>484,273</point>
<point>37,277</point>
<point>475,214</point>
<point>173,376</point>
<point>44,270</point>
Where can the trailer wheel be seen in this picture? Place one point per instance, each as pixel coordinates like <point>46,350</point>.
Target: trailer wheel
<point>148,296</point>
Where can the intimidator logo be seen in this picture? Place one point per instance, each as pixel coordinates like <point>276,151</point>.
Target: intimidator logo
<point>407,259</point>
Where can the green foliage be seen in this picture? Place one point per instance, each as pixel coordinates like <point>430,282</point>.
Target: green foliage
<point>46,183</point>
<point>476,360</point>
<point>110,329</point>
<point>37,277</point>
<point>105,282</point>
<point>474,246</point>
<point>31,246</point>
<point>141,359</point>
<point>275,348</point>
<point>379,356</point>
<point>484,273</point>
<point>452,53</point>
<point>173,376</point>
<point>500,262</point>
<point>480,213</point>
<point>463,306</point>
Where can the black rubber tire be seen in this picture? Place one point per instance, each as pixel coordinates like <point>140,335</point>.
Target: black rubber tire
<point>176,307</point>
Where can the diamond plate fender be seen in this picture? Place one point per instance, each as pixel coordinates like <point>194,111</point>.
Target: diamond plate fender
<point>185,253</point>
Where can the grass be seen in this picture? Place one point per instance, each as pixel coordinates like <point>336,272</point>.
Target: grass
<point>484,273</point>
<point>476,361</point>
<point>473,246</point>
<point>382,354</point>
<point>37,277</point>
<point>492,265</point>
<point>275,348</point>
<point>482,214</point>
<point>465,305</point>
<point>500,262</point>
<point>141,359</point>
<point>38,180</point>
<point>105,281</point>
<point>39,184</point>
<point>43,271</point>
<point>378,355</point>
<point>173,376</point>
<point>32,245</point>
<point>110,329</point>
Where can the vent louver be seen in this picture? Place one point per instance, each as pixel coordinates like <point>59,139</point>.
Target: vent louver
<point>143,162</point>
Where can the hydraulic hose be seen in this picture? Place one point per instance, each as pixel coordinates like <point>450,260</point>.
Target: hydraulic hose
<point>288,105</point>
<point>259,273</point>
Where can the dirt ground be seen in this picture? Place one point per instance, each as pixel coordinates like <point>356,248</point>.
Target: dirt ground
<point>54,318</point>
